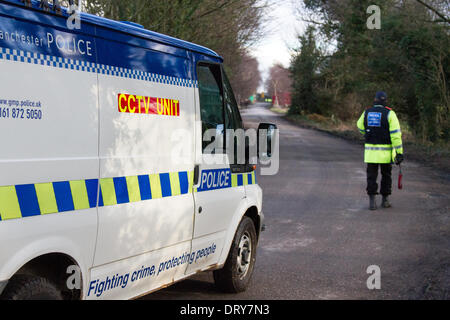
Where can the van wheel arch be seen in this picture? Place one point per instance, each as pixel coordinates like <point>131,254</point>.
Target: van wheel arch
<point>48,270</point>
<point>252,213</point>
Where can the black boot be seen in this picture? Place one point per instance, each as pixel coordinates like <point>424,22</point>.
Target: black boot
<point>373,203</point>
<point>385,202</point>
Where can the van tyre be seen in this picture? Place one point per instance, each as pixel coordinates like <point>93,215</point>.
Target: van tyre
<point>236,275</point>
<point>28,287</point>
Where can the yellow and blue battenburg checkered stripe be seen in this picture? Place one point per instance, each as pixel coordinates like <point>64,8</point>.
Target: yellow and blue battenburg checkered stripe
<point>243,179</point>
<point>28,200</point>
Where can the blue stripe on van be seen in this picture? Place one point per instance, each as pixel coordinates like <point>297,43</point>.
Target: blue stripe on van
<point>92,189</point>
<point>28,201</point>
<point>165,185</point>
<point>63,195</point>
<point>240,180</point>
<point>120,186</point>
<point>100,198</point>
<point>144,187</point>
<point>184,182</point>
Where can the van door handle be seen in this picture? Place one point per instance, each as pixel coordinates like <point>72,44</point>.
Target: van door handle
<point>196,174</point>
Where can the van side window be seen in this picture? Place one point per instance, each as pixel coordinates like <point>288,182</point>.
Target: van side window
<point>233,121</point>
<point>211,100</point>
<point>233,118</point>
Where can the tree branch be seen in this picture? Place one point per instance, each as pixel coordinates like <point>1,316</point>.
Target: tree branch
<point>440,15</point>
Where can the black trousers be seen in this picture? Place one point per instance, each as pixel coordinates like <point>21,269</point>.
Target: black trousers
<point>386,179</point>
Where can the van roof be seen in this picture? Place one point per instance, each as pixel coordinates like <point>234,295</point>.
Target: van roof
<point>134,30</point>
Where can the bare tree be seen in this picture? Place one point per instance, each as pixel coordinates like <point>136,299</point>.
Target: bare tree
<point>434,6</point>
<point>279,83</point>
<point>248,78</point>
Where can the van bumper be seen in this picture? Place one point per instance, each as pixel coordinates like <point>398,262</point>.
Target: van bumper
<point>3,285</point>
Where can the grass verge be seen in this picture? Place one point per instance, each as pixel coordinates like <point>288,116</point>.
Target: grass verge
<point>279,110</point>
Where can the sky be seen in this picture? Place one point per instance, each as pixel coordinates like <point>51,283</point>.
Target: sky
<point>281,36</point>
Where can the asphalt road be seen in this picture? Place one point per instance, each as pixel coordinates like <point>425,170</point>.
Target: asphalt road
<point>321,237</point>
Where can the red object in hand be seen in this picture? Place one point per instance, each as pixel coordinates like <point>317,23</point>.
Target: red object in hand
<point>400,180</point>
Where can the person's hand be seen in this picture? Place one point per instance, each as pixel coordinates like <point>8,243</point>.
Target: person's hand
<point>399,159</point>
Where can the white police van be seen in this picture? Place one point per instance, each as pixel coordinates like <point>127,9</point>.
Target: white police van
<point>94,200</point>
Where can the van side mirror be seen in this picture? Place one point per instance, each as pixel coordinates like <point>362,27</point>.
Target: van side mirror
<point>266,134</point>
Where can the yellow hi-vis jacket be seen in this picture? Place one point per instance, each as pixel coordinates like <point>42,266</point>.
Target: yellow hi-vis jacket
<point>381,128</point>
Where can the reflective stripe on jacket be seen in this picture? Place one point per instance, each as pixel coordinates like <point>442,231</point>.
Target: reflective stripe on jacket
<point>381,129</point>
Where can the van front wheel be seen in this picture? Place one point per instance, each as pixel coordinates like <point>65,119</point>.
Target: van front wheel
<point>237,272</point>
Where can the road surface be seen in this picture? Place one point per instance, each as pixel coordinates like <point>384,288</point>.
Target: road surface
<point>321,237</point>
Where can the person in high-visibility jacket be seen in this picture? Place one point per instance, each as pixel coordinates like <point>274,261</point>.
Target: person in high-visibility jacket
<point>381,129</point>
